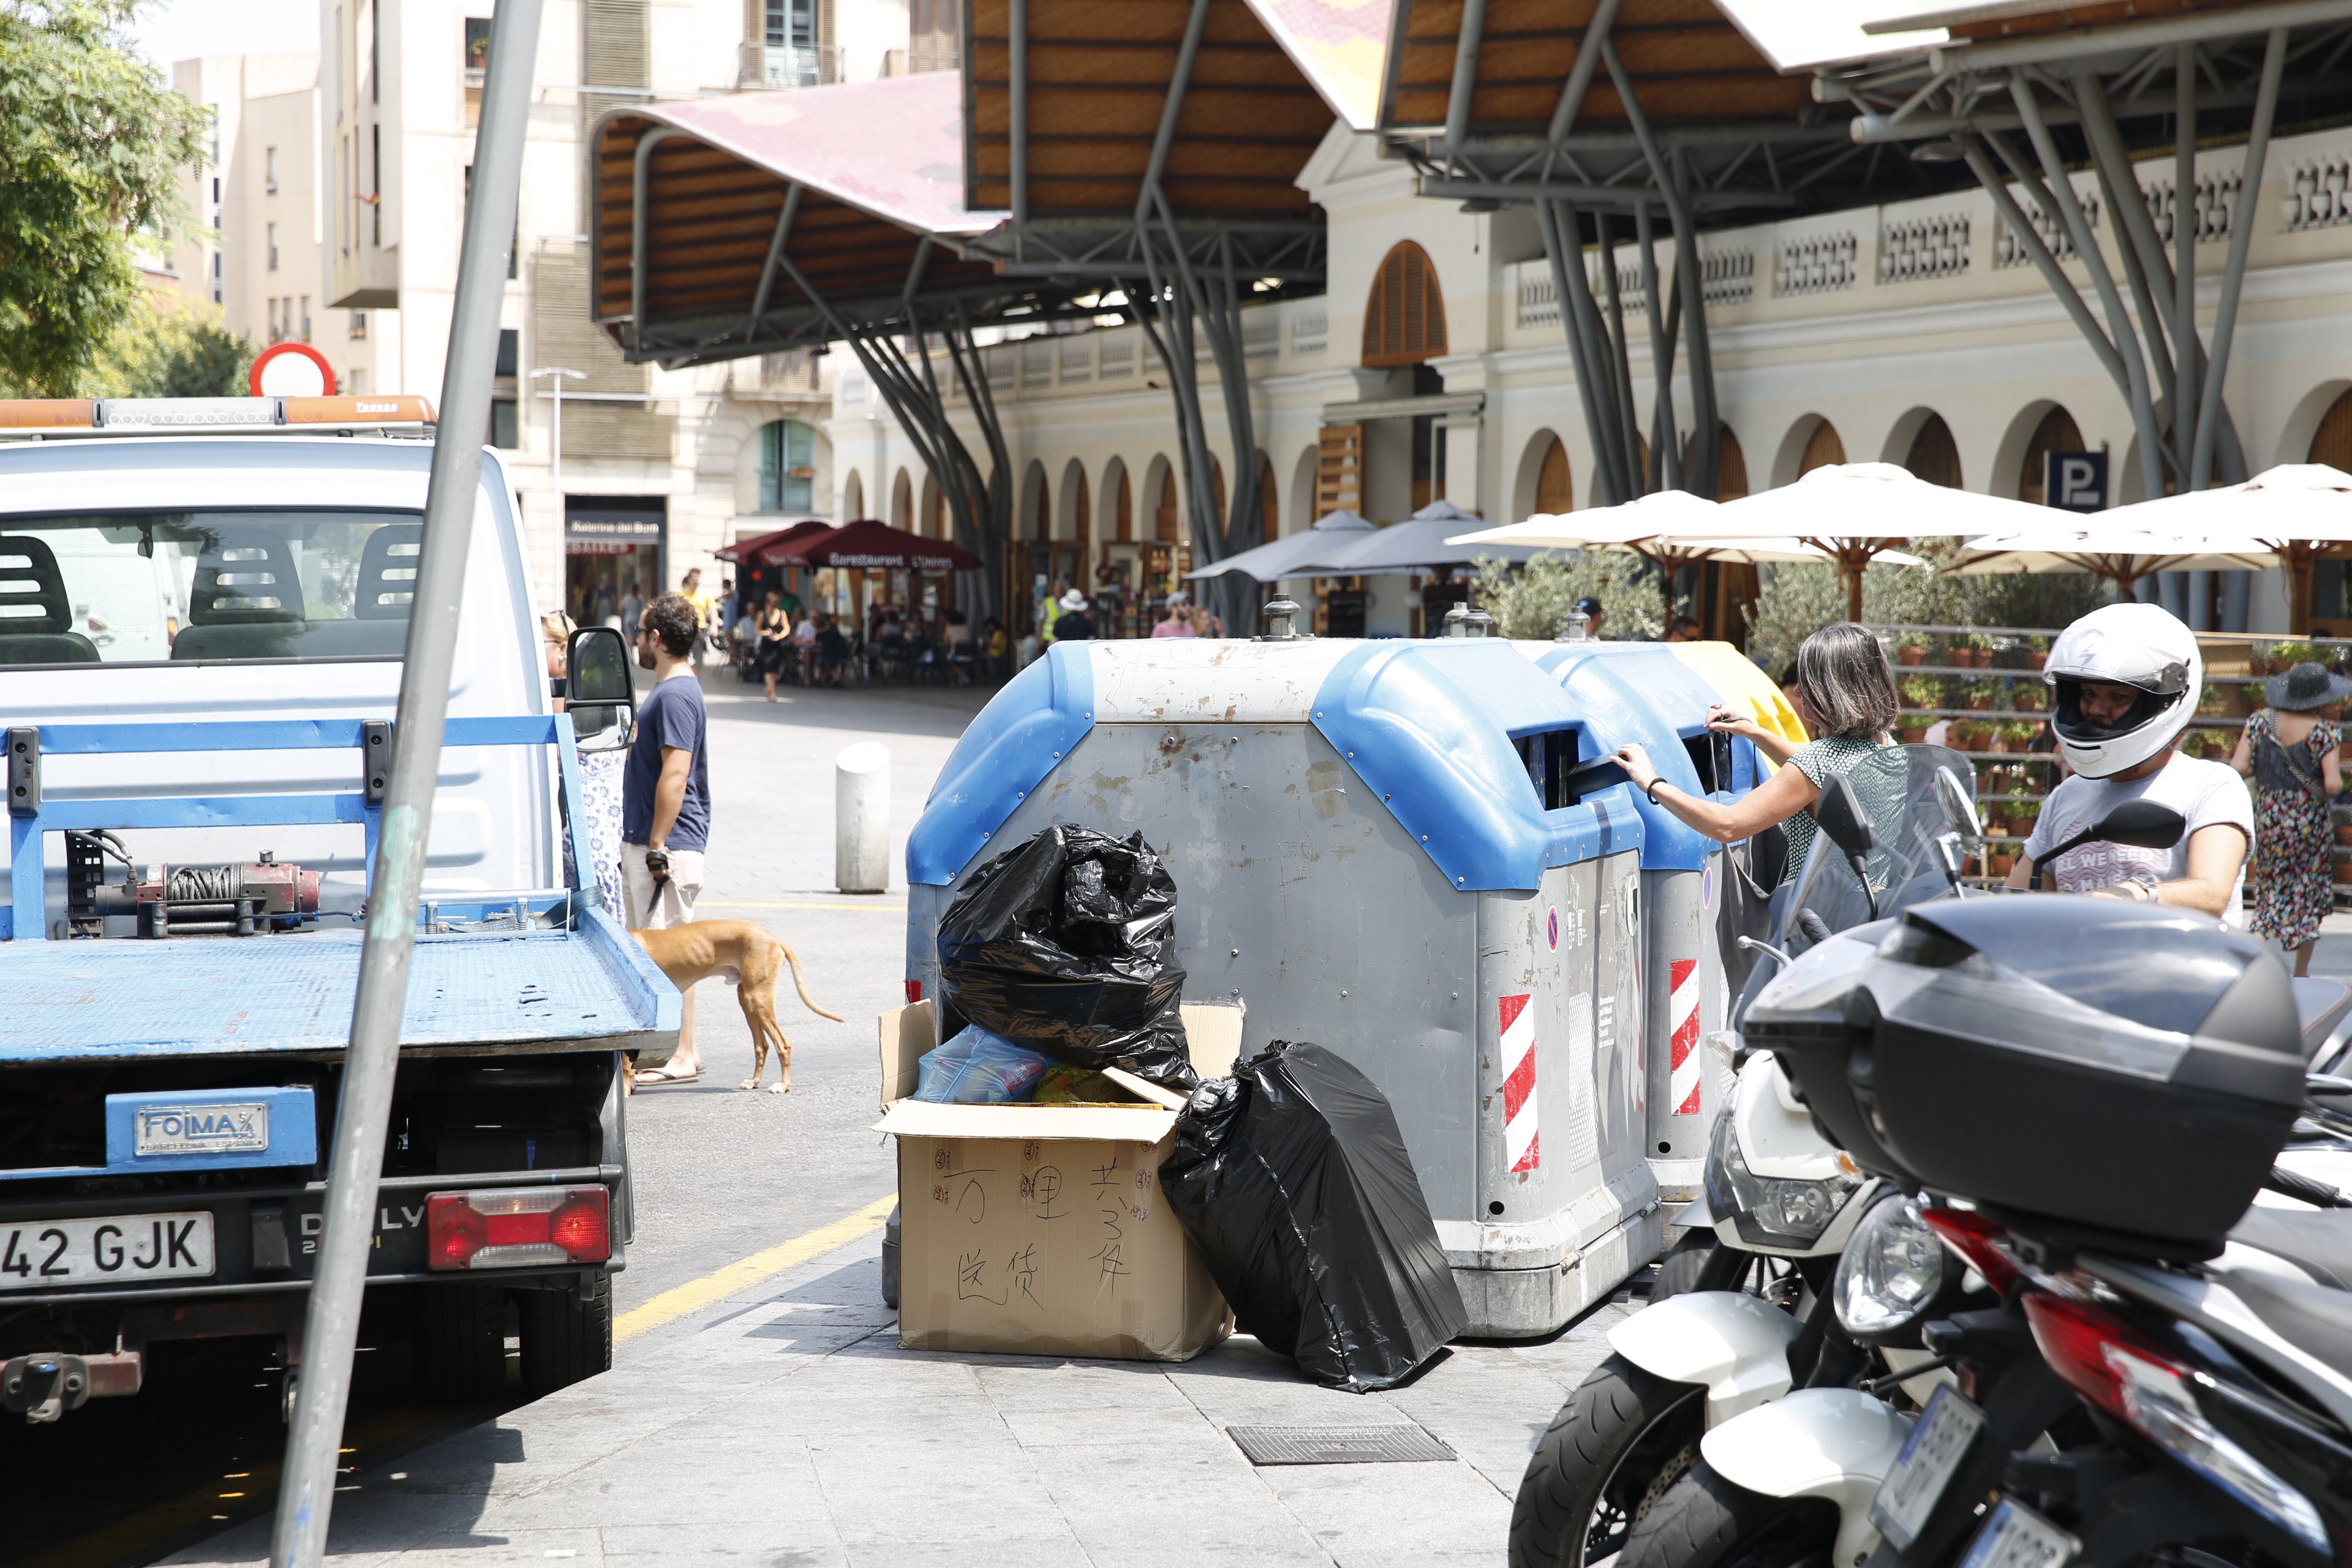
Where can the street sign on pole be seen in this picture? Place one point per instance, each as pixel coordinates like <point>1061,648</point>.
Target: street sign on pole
<point>2076,481</point>
<point>306,1491</point>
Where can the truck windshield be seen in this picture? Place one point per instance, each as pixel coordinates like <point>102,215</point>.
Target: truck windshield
<point>205,587</point>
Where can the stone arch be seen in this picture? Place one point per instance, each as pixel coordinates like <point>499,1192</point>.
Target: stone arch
<point>1921,442</point>
<point>1811,443</point>
<point>1074,510</point>
<point>1032,519</point>
<point>2320,430</point>
<point>1158,514</point>
<point>2036,429</point>
<point>852,497</point>
<point>1269,504</point>
<point>1544,482</point>
<point>1118,521</point>
<point>1731,470</point>
<point>1404,316</point>
<point>902,500</point>
<point>1302,490</point>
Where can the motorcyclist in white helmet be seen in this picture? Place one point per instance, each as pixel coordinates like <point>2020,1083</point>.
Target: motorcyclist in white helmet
<point>2125,681</point>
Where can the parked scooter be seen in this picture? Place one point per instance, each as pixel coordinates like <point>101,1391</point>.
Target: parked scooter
<point>1739,1311</point>
<point>2030,1055</point>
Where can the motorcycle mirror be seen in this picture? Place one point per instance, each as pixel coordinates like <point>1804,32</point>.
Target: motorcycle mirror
<point>2143,824</point>
<point>1839,811</point>
<point>1960,805</point>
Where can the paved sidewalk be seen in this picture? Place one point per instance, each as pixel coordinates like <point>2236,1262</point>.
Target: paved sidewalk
<point>786,1428</point>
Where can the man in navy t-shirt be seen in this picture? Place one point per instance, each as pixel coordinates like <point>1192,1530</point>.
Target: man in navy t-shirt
<point>666,799</point>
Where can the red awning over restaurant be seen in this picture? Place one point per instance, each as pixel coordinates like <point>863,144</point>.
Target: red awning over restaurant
<point>872,546</point>
<point>754,550</point>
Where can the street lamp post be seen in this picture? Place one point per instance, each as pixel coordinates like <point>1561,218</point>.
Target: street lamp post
<point>555,479</point>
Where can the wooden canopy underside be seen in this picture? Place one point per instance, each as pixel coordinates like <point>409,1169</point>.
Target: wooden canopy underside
<point>1689,63</point>
<point>1098,80</point>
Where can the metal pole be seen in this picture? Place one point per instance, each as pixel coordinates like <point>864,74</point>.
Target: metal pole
<point>1018,133</point>
<point>306,1492</point>
<point>1547,224</point>
<point>555,476</point>
<point>1465,74</point>
<point>2233,272</point>
<point>1580,74</point>
<point>2187,393</point>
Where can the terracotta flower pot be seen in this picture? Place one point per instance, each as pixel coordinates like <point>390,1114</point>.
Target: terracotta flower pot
<point>1910,653</point>
<point>1913,734</point>
<point>2001,860</point>
<point>2036,659</point>
<point>2344,832</point>
<point>1978,704</point>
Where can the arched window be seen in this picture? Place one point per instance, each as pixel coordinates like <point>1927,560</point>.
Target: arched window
<point>788,467</point>
<point>1124,512</point>
<point>1404,320</point>
<point>2332,443</point>
<point>1269,506</point>
<point>1934,456</point>
<point>1731,468</point>
<point>1822,449</point>
<point>2056,433</point>
<point>1555,489</point>
<point>1164,518</point>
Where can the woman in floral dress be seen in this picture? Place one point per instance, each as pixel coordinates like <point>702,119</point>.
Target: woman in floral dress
<point>2289,750</point>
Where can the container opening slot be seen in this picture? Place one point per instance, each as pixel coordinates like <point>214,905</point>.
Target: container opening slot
<point>1551,757</point>
<point>1710,755</point>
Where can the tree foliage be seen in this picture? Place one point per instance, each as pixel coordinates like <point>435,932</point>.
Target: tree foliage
<point>1796,601</point>
<point>91,144</point>
<point>159,353</point>
<point>1531,601</point>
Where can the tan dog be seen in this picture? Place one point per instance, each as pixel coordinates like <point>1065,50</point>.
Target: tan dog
<point>747,954</point>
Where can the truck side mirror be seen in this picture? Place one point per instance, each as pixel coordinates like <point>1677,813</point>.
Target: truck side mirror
<point>597,685</point>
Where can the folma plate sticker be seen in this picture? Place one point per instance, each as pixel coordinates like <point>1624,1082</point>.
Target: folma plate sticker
<point>200,1128</point>
<point>1930,1454</point>
<point>2014,1536</point>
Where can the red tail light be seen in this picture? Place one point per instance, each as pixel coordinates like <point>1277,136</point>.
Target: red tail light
<point>2084,1344</point>
<point>1976,1241</point>
<point>516,1227</point>
<point>914,991</point>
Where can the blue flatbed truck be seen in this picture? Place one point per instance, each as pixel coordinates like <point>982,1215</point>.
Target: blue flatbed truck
<point>172,1017</point>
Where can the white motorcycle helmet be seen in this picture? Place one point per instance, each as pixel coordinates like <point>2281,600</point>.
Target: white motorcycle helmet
<point>2141,645</point>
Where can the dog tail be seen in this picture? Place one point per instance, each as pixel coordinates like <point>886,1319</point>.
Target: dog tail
<point>802,985</point>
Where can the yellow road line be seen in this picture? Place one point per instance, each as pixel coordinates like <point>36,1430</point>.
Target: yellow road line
<point>745,1272</point>
<point>861,909</point>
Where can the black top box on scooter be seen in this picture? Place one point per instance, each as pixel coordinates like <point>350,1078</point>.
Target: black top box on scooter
<point>2119,1071</point>
<point>1800,1018</point>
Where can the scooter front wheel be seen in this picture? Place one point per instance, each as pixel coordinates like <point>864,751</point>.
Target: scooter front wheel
<point>1705,1522</point>
<point>1615,1448</point>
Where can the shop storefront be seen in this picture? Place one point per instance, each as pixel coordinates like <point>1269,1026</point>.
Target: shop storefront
<point>611,545</point>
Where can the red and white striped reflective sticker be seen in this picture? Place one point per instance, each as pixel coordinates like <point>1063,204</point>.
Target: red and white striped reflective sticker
<point>1520,1150</point>
<point>1682,1010</point>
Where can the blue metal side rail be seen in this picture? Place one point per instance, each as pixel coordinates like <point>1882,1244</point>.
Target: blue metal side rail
<point>27,828</point>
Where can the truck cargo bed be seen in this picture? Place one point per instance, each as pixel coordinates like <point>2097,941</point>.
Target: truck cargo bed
<point>126,998</point>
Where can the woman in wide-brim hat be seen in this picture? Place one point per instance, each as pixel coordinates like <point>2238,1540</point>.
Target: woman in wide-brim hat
<point>2289,750</point>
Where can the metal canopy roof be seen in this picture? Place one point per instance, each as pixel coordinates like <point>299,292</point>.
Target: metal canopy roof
<point>714,220</point>
<point>1090,117</point>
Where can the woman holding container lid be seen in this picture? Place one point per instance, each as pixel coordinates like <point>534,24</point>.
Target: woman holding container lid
<point>1845,695</point>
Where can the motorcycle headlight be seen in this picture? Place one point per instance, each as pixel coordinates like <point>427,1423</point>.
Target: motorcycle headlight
<point>1768,1210</point>
<point>1891,1272</point>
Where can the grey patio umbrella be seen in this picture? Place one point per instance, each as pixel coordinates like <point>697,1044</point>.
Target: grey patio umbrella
<point>1421,539</point>
<point>1285,557</point>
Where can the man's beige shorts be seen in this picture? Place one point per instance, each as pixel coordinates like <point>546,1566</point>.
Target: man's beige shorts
<point>675,906</point>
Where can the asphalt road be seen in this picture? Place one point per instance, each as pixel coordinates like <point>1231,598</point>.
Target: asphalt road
<point>721,1174</point>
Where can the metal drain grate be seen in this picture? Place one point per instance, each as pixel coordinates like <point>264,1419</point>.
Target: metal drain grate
<point>1391,1443</point>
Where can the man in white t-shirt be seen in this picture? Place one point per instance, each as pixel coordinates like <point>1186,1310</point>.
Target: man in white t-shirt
<point>2125,681</point>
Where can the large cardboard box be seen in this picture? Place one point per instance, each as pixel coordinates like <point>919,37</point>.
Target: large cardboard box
<point>1041,1229</point>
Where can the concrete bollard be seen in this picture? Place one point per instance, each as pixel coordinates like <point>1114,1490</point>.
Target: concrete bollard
<point>861,818</point>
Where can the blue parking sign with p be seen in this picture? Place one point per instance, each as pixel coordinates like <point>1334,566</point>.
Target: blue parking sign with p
<point>2077,481</point>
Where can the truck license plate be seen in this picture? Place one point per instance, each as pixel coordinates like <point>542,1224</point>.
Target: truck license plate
<point>1931,1456</point>
<point>2014,1536</point>
<point>36,1255</point>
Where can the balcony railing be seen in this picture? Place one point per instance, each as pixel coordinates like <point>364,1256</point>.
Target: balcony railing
<point>788,65</point>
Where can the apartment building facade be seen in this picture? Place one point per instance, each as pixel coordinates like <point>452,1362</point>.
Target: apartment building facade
<point>257,194</point>
<point>656,470</point>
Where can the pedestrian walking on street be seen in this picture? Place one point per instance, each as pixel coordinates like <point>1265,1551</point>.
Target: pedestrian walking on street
<point>1845,695</point>
<point>775,641</point>
<point>1075,624</point>
<point>666,800</point>
<point>1179,623</point>
<point>633,611</point>
<point>2289,750</point>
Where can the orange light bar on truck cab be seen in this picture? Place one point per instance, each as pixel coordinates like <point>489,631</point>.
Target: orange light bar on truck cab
<point>403,409</point>
<point>180,416</point>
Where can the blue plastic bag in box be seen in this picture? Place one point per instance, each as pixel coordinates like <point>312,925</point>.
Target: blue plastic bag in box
<point>978,1068</point>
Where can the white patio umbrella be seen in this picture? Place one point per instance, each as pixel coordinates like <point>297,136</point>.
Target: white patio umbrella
<point>1421,539</point>
<point>2299,510</point>
<point>1669,529</point>
<point>1284,557</point>
<point>2121,555</point>
<point>1858,512</point>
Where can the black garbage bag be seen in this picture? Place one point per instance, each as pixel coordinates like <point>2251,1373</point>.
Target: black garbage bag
<point>1066,943</point>
<point>1293,1180</point>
